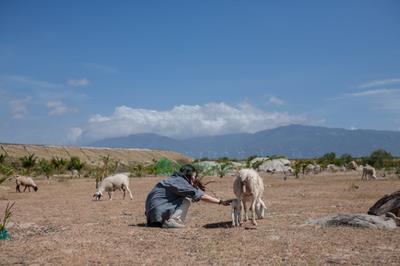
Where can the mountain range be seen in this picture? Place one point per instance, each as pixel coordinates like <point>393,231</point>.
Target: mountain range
<point>292,141</point>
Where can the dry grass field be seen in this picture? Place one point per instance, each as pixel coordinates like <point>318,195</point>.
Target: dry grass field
<point>61,225</point>
<point>90,155</point>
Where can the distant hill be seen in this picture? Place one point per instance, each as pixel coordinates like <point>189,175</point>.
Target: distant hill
<point>293,141</point>
<point>90,155</point>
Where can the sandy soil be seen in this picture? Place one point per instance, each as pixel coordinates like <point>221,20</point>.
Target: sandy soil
<point>61,225</point>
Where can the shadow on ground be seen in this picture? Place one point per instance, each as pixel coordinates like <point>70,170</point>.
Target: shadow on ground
<point>218,225</point>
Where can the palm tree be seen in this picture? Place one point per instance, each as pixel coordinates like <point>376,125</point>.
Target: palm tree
<point>28,162</point>
<point>58,164</point>
<point>46,168</point>
<point>223,168</point>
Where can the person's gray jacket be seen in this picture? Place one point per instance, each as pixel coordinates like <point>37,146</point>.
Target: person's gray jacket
<point>167,195</point>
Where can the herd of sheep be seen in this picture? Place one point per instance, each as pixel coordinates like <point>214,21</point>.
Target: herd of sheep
<point>248,188</point>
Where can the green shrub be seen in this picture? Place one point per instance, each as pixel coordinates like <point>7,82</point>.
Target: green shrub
<point>249,159</point>
<point>75,164</point>
<point>58,164</point>
<point>45,167</point>
<point>164,167</point>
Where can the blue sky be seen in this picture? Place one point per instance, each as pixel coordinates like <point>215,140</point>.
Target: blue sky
<point>76,71</point>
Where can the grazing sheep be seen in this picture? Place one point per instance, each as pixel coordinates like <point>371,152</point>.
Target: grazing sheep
<point>248,186</point>
<point>332,168</point>
<point>352,165</point>
<point>25,181</point>
<point>112,183</point>
<point>368,172</point>
<point>312,168</point>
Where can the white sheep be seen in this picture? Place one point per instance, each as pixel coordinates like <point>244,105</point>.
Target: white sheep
<point>112,183</point>
<point>248,186</point>
<point>236,206</point>
<point>352,165</point>
<point>368,172</point>
<point>25,181</point>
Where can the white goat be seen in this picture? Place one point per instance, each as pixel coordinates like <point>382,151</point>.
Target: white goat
<point>368,172</point>
<point>25,181</point>
<point>112,183</point>
<point>248,186</point>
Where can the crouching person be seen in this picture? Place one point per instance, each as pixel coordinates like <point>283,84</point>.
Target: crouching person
<point>168,202</point>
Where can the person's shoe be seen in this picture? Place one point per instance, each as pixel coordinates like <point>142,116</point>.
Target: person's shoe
<point>172,223</point>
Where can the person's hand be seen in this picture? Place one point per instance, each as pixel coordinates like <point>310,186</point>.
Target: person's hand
<point>225,202</point>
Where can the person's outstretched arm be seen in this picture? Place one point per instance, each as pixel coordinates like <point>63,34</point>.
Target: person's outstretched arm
<point>211,199</point>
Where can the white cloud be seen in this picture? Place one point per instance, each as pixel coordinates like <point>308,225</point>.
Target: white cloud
<point>186,121</point>
<point>275,101</point>
<point>373,92</point>
<point>379,83</point>
<point>18,107</point>
<point>59,108</point>
<point>78,82</point>
<point>32,82</point>
<point>100,67</point>
<point>377,99</point>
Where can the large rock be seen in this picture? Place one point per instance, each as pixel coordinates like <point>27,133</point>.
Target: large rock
<point>356,220</point>
<point>388,203</point>
<point>276,165</point>
<point>257,161</point>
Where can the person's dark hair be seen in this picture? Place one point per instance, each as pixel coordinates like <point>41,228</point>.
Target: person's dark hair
<point>187,171</point>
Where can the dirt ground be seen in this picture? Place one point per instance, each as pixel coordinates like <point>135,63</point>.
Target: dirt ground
<point>61,225</point>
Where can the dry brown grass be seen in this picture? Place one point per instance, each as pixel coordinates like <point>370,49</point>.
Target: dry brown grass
<point>91,156</point>
<point>60,224</point>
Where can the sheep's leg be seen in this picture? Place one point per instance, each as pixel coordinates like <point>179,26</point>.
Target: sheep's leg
<point>110,195</point>
<point>235,213</point>
<point>238,214</point>
<point>25,188</point>
<point>130,193</point>
<point>264,208</point>
<point>123,190</point>
<point>245,211</point>
<point>17,189</point>
<point>253,211</point>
